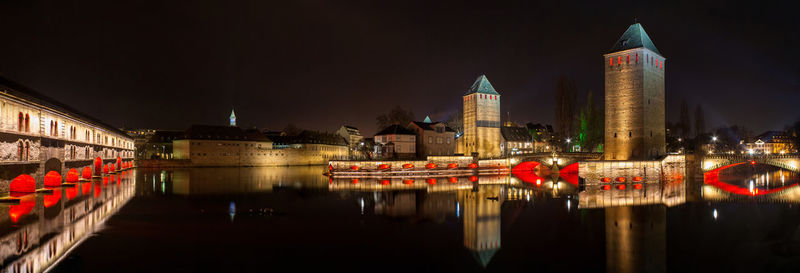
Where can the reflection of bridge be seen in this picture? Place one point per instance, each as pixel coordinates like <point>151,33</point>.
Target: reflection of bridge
<point>547,159</point>
<point>40,135</point>
<point>43,227</point>
<point>716,189</point>
<point>789,162</point>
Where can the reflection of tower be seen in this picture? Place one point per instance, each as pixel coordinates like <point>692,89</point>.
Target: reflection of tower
<point>634,84</point>
<point>636,239</point>
<point>482,120</point>
<point>233,118</point>
<point>482,221</point>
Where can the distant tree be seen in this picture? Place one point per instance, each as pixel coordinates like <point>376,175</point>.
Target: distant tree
<point>684,123</point>
<point>396,115</point>
<point>596,124</point>
<point>699,121</point>
<point>565,111</point>
<point>456,122</point>
<point>292,130</point>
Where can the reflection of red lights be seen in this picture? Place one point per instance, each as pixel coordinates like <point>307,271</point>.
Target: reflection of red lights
<point>712,178</point>
<point>637,186</point>
<point>87,188</point>
<point>52,179</point>
<point>97,190</point>
<point>330,180</point>
<point>105,181</point>
<point>354,167</point>
<point>23,184</point>
<point>52,199</point>
<point>527,166</point>
<point>605,187</point>
<point>408,166</point>
<point>453,179</point>
<point>385,182</point>
<point>431,181</point>
<point>473,178</point>
<point>570,173</point>
<point>637,179</point>
<point>354,181</point>
<point>452,166</point>
<point>473,166</point>
<point>72,192</point>
<point>621,187</point>
<point>430,166</point>
<point>25,206</point>
<point>605,179</point>
<point>384,166</point>
<point>408,181</point>
<point>621,179</point>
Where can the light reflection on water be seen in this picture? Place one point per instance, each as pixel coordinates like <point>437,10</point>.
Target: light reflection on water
<point>497,219</point>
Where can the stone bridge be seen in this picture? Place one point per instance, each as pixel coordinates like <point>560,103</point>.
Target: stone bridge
<point>41,136</point>
<point>547,159</point>
<point>789,162</point>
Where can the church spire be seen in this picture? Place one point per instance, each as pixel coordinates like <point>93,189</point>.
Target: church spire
<point>233,118</point>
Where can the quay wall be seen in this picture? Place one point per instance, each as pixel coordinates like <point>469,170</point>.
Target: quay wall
<point>671,166</point>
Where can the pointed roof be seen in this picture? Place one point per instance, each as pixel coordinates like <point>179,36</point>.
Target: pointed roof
<point>427,119</point>
<point>634,37</point>
<point>484,256</point>
<point>482,85</point>
<point>233,115</point>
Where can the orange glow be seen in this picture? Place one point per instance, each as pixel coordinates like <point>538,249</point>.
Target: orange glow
<point>453,179</point>
<point>52,179</point>
<point>637,179</point>
<point>605,187</point>
<point>105,169</point>
<point>73,175</point>
<point>98,166</point>
<point>431,166</point>
<point>23,184</point>
<point>473,166</point>
<point>384,167</point>
<point>605,179</point>
<point>354,181</point>
<point>621,187</point>
<point>621,179</point>
<point>452,166</point>
<point>473,179</point>
<point>26,205</point>
<point>386,182</point>
<point>87,173</point>
<point>72,192</point>
<point>354,167</point>
<point>52,199</point>
<point>408,181</point>
<point>431,181</point>
<point>637,186</point>
<point>408,166</point>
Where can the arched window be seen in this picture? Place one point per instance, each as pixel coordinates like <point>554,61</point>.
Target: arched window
<point>611,62</point>
<point>637,58</point>
<point>628,59</point>
<point>27,123</point>
<point>619,59</point>
<point>27,150</point>
<point>21,121</point>
<point>56,129</point>
<point>20,150</point>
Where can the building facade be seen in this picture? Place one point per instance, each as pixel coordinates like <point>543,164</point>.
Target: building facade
<point>355,141</point>
<point>159,145</point>
<point>770,142</point>
<point>481,120</point>
<point>433,138</point>
<point>634,98</point>
<point>516,140</point>
<point>396,142</point>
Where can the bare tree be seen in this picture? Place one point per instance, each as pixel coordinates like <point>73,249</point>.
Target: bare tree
<point>565,107</point>
<point>699,121</point>
<point>456,122</point>
<point>396,115</point>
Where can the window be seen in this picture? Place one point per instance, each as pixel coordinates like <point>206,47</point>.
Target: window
<point>27,123</point>
<point>611,62</point>
<point>630,134</point>
<point>20,150</point>
<point>21,120</point>
<point>619,59</point>
<point>637,58</point>
<point>615,135</point>
<point>628,59</point>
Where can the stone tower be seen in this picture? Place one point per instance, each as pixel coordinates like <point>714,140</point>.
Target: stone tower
<point>634,73</point>
<point>233,118</point>
<point>482,120</point>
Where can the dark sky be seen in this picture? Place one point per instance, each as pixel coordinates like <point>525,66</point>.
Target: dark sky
<point>321,64</point>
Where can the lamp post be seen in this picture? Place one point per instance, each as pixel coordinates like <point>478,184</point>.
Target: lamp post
<point>568,142</point>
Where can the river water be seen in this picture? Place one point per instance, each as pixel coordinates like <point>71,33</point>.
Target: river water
<point>742,219</point>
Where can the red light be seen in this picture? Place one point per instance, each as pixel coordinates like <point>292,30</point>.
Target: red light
<point>605,187</point>
<point>408,181</point>
<point>408,166</point>
<point>453,179</point>
<point>52,179</point>
<point>385,182</point>
<point>452,166</point>
<point>637,179</point>
<point>23,184</point>
<point>354,167</point>
<point>87,173</point>
<point>330,167</point>
<point>605,179</point>
<point>431,181</point>
<point>628,58</point>
<point>473,178</point>
<point>637,186</point>
<point>473,166</point>
<point>619,60</point>
<point>611,62</point>
<point>752,162</point>
<point>621,187</point>
<point>105,169</point>
<point>621,179</point>
<point>52,199</point>
<point>354,181</point>
<point>431,166</point>
<point>73,175</point>
<point>384,166</point>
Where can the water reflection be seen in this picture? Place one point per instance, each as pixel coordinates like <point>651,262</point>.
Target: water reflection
<point>44,226</point>
<point>754,182</point>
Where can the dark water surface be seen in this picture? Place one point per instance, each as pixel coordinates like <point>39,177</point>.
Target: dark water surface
<point>293,218</point>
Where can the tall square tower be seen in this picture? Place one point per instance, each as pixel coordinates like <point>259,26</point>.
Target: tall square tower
<point>634,98</point>
<point>482,120</point>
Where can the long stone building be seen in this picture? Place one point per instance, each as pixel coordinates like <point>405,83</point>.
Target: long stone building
<point>634,98</point>
<point>481,120</point>
<point>39,135</point>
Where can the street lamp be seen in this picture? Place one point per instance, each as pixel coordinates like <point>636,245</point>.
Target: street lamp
<point>714,138</point>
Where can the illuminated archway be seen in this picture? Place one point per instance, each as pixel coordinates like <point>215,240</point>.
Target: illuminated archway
<point>98,166</point>
<point>52,179</point>
<point>119,163</point>
<point>23,184</point>
<point>87,173</point>
<point>73,175</point>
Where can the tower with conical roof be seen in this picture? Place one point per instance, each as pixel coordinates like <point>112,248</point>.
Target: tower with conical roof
<point>233,118</point>
<point>481,120</point>
<point>634,98</point>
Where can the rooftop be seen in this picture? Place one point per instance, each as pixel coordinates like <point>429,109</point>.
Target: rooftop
<point>634,37</point>
<point>482,86</point>
<point>395,130</point>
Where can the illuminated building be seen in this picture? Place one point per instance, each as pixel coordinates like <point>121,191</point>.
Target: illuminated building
<point>634,98</point>
<point>396,142</point>
<point>481,120</point>
<point>232,118</point>
<point>482,221</point>
<point>516,140</point>
<point>433,138</point>
<point>770,142</point>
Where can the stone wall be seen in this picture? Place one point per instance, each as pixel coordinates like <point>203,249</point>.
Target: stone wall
<point>672,166</point>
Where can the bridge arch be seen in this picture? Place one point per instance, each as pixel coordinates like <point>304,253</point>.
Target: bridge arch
<point>98,166</point>
<point>53,164</point>
<point>715,162</point>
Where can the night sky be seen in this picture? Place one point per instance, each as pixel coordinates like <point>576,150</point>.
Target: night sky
<point>321,64</point>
